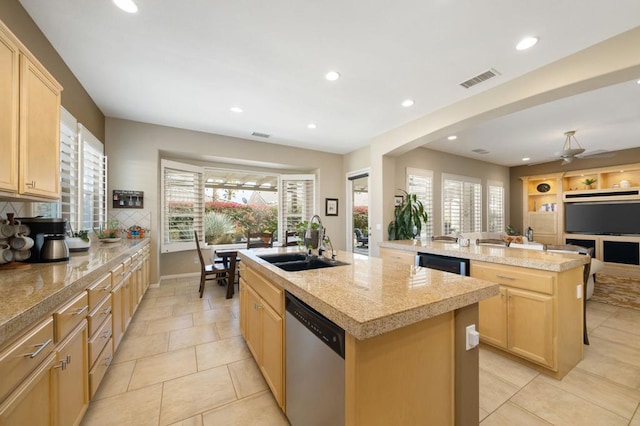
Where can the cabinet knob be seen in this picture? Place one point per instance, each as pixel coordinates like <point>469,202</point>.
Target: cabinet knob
<point>62,365</point>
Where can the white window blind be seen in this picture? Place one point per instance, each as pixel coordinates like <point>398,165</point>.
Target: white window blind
<point>420,182</point>
<point>461,204</point>
<point>182,205</point>
<point>93,181</point>
<point>297,201</point>
<point>495,206</point>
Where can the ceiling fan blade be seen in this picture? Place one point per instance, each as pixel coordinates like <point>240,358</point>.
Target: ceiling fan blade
<point>600,153</point>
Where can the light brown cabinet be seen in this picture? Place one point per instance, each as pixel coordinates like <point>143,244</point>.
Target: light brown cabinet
<point>543,207</point>
<point>400,256</point>
<point>261,316</point>
<point>30,123</point>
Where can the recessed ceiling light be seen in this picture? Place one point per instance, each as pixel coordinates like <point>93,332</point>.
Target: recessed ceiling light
<point>526,43</point>
<point>127,5</point>
<point>526,159</point>
<point>332,75</point>
<point>236,109</point>
<point>407,103</point>
<point>452,137</point>
<point>312,125</point>
<point>638,81</point>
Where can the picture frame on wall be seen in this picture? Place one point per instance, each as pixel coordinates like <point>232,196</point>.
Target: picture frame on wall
<point>397,200</point>
<point>331,207</point>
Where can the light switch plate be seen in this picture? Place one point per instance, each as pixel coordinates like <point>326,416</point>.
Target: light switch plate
<point>579,291</point>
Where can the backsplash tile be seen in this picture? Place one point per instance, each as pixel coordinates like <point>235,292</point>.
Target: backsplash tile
<point>17,208</point>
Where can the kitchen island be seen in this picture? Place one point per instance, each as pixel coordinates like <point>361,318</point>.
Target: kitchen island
<point>405,357</point>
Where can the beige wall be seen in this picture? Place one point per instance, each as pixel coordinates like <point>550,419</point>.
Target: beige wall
<point>440,162</point>
<point>74,98</point>
<point>627,156</point>
<point>134,150</point>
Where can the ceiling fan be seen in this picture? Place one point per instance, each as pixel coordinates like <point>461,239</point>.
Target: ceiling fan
<point>570,153</point>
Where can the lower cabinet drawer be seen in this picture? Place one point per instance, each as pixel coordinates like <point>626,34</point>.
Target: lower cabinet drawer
<point>98,341</point>
<point>21,358</point>
<point>96,374</point>
<point>70,315</point>
<point>514,276</point>
<point>97,317</point>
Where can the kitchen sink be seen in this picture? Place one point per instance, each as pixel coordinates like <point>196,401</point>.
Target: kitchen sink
<point>292,262</point>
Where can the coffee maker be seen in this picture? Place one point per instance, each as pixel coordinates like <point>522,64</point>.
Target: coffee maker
<point>49,239</point>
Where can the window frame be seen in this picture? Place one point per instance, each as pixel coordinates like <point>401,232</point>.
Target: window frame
<point>495,184</point>
<point>427,229</point>
<point>477,207</point>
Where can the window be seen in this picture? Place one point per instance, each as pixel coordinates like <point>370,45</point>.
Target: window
<point>461,204</point>
<point>297,195</point>
<point>182,195</point>
<point>495,206</point>
<point>420,182</point>
<point>93,180</point>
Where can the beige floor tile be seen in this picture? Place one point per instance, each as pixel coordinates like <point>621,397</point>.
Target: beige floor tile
<point>162,291</point>
<point>506,369</point>
<point>169,324</point>
<point>635,421</point>
<point>247,378</point>
<point>152,313</point>
<point>560,407</point>
<point>228,329</point>
<point>162,367</point>
<point>172,300</point>
<point>193,336</point>
<point>617,336</point>
<point>596,315</point>
<point>494,391</point>
<point>116,381</point>
<point>137,328</point>
<point>212,315</point>
<point>221,352</point>
<point>190,395</point>
<point>258,410</point>
<point>133,347</point>
<point>619,351</point>
<point>625,319</point>
<point>191,421</point>
<point>140,407</point>
<point>510,414</point>
<point>192,306</point>
<point>599,391</point>
<point>591,304</point>
<point>483,414</point>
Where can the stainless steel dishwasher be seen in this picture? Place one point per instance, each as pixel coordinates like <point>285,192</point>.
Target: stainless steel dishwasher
<point>314,366</point>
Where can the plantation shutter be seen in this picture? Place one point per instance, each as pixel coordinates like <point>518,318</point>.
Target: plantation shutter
<point>495,206</point>
<point>420,182</point>
<point>93,180</point>
<point>69,170</point>
<point>297,201</point>
<point>461,204</point>
<point>182,206</point>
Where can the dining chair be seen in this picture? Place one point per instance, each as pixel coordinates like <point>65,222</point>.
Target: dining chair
<point>445,238</point>
<point>587,251</point>
<point>259,239</point>
<point>361,238</point>
<point>290,238</point>
<point>491,242</point>
<point>220,272</point>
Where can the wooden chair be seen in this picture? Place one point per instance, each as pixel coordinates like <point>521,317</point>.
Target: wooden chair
<point>491,242</point>
<point>290,238</point>
<point>588,251</point>
<point>257,239</point>
<point>445,238</point>
<point>225,272</point>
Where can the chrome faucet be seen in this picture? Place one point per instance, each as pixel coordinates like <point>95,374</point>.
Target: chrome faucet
<point>333,252</point>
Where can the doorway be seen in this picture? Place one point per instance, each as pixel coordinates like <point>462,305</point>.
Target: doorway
<point>358,227</point>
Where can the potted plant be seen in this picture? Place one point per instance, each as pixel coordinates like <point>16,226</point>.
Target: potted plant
<point>409,216</point>
<point>79,241</point>
<point>112,230</point>
<point>588,182</point>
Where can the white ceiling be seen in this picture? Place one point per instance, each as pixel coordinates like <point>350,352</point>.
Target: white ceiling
<point>185,63</point>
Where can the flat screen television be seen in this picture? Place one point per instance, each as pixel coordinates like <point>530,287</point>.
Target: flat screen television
<point>602,218</point>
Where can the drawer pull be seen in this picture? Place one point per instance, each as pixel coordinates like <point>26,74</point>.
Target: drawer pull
<point>107,361</point>
<point>81,310</point>
<point>506,277</point>
<point>106,287</point>
<point>62,365</point>
<point>106,311</point>
<point>40,349</point>
<point>106,334</point>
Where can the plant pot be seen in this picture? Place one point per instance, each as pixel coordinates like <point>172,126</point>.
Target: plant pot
<point>313,241</point>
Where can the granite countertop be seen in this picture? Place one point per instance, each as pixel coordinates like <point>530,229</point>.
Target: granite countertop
<point>28,295</point>
<point>534,259</point>
<point>371,296</point>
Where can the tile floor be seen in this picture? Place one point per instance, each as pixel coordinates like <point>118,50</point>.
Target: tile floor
<point>183,362</point>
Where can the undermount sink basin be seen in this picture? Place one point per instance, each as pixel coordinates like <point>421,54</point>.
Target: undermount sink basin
<point>292,262</point>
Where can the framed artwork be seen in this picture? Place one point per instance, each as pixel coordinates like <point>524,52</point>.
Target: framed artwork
<point>398,199</point>
<point>331,206</point>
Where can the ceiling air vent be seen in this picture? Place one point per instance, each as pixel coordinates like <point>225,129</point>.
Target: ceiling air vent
<point>480,151</point>
<point>480,78</point>
<point>260,135</point>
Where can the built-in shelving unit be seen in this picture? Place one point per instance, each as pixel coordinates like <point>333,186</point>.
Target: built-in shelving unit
<point>543,206</point>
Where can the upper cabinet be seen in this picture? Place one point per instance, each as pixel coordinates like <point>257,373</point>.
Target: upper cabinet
<point>543,206</point>
<point>30,128</point>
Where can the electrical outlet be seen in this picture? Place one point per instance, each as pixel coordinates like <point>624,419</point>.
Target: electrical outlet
<point>473,337</point>
<point>579,291</point>
<point>196,260</point>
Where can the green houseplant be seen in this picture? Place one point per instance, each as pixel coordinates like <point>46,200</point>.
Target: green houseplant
<point>409,216</point>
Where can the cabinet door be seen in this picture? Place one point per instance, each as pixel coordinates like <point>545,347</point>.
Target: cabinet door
<point>30,403</point>
<point>126,301</point>
<point>400,256</point>
<point>531,326</point>
<point>254,328</point>
<point>39,171</point>
<point>272,358</point>
<point>242,291</point>
<point>71,378</point>
<point>117,317</point>
<point>492,319</point>
<point>9,86</point>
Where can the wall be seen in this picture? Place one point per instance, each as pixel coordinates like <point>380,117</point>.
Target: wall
<point>74,98</point>
<point>627,156</point>
<point>134,150</point>
<point>440,162</point>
